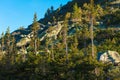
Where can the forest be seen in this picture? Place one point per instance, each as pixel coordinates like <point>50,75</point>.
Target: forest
<point>65,44</point>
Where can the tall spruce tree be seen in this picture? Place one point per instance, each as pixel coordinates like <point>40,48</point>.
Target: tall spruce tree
<point>92,12</point>
<point>2,42</point>
<point>35,27</point>
<point>7,38</point>
<point>13,49</point>
<point>76,14</point>
<point>65,32</point>
<point>7,48</point>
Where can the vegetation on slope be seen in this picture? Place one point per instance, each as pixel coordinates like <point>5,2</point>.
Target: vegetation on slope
<point>85,28</point>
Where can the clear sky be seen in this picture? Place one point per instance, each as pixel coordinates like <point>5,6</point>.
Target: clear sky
<point>16,13</point>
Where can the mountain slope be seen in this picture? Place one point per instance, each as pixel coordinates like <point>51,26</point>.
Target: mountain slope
<point>58,15</point>
<point>59,46</point>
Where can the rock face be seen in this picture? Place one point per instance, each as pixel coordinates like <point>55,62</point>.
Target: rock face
<point>23,42</point>
<point>53,31</point>
<point>110,56</point>
<point>49,32</point>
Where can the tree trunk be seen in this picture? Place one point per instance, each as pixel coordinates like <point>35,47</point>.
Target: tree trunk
<point>66,45</point>
<point>92,36</point>
<point>2,48</point>
<point>35,45</point>
<point>85,50</point>
<point>52,53</point>
<point>66,52</point>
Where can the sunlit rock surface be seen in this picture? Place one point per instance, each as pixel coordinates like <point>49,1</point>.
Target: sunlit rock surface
<point>110,56</point>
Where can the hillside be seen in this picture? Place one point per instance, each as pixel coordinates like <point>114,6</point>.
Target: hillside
<point>108,20</point>
<point>77,41</point>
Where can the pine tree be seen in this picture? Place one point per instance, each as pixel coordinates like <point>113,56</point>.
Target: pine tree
<point>8,48</point>
<point>65,32</point>
<point>7,38</point>
<point>52,9</point>
<point>35,28</point>
<point>13,49</point>
<point>91,26</point>
<point>85,35</point>
<point>92,12</point>
<point>54,19</point>
<point>2,42</point>
<point>47,13</point>
<point>76,14</point>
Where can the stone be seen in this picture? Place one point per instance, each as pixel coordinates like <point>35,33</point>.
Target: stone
<point>110,56</point>
<point>23,42</point>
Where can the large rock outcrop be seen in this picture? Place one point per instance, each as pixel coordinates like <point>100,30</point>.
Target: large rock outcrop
<point>23,42</point>
<point>53,31</point>
<point>110,56</point>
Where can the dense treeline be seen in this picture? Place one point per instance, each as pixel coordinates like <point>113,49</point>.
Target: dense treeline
<point>70,56</point>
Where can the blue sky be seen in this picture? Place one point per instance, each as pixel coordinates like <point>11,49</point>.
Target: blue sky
<point>16,13</point>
